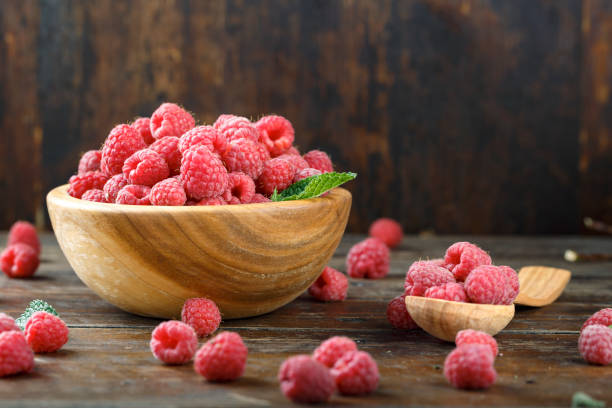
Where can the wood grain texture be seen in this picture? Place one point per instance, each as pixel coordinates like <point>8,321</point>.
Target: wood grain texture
<point>541,285</point>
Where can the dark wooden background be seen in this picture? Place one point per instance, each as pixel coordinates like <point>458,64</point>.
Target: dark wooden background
<point>459,116</point>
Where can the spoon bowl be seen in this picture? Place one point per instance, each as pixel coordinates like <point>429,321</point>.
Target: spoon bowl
<point>541,285</point>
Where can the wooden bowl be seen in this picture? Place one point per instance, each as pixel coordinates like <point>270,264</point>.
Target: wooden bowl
<point>250,259</point>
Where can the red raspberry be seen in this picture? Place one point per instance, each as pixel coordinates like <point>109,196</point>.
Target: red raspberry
<point>305,380</point>
<point>121,143</point>
<point>470,366</point>
<point>241,187</point>
<point>170,120</point>
<point>15,354</point>
<point>398,315</point>
<point>276,133</point>
<point>95,195</point>
<point>211,201</point>
<point>595,344</point>
<point>244,155</point>
<point>293,151</point>
<point>174,342</point>
<point>331,285</point>
<point>113,185</point>
<point>145,167</point>
<point>512,285</point>
<point>222,358</point>
<point>203,136</point>
<point>168,148</point>
<point>80,183</point>
<point>168,192</point>
<point>305,173</point>
<point>202,314</point>
<point>423,275</point>
<point>19,261</point>
<point>133,194</point>
<point>387,230</point>
<point>45,332</point>
<point>368,259</point>
<point>470,336</point>
<point>143,127</point>
<point>7,323</point>
<point>22,232</point>
<point>90,161</point>
<point>604,316</point>
<point>356,373</point>
<point>447,291</point>
<point>298,162</point>
<point>462,257</point>
<point>277,174</point>
<point>236,127</point>
<point>487,285</point>
<point>319,160</point>
<point>203,174</point>
<point>332,349</point>
<point>259,198</point>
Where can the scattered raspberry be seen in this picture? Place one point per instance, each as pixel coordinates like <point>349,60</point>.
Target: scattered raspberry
<point>203,174</point>
<point>19,261</point>
<point>595,344</point>
<point>368,259</point>
<point>332,349</point>
<point>95,194</point>
<point>133,194</point>
<point>22,232</point>
<point>113,185</point>
<point>170,120</point>
<point>45,332</point>
<point>168,192</point>
<point>277,174</point>
<point>604,316</point>
<point>447,291</point>
<point>15,354</point>
<point>512,285</point>
<point>259,198</point>
<point>470,336</point>
<point>319,160</point>
<point>387,230</point>
<point>168,148</point>
<point>211,201</point>
<point>276,133</point>
<point>202,314</point>
<point>305,173</point>
<point>470,366</point>
<point>331,285</point>
<point>398,315</point>
<point>305,380</point>
<point>487,285</point>
<point>462,257</point>
<point>203,136</point>
<point>244,155</point>
<point>145,167</point>
<point>241,187</point>
<point>90,161</point>
<point>356,373</point>
<point>173,342</point>
<point>236,127</point>
<point>222,358</point>
<point>80,183</point>
<point>423,275</point>
<point>298,162</point>
<point>7,323</point>
<point>143,127</point>
<point>121,143</point>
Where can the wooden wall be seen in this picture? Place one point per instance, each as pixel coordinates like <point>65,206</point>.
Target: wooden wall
<point>459,116</point>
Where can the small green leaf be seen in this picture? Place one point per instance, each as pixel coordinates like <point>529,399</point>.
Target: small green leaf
<point>580,399</point>
<point>36,305</point>
<point>313,186</point>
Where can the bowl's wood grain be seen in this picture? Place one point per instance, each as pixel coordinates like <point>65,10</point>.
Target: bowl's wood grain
<point>250,259</point>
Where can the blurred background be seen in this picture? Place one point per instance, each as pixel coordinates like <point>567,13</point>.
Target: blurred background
<point>458,116</point>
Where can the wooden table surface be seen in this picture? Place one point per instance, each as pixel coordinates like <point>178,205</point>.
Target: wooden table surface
<point>107,361</point>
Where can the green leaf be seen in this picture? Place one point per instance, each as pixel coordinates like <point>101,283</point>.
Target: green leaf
<point>580,399</point>
<point>313,186</point>
<point>36,305</point>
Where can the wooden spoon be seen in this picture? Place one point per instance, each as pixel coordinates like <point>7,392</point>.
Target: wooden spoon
<point>541,285</point>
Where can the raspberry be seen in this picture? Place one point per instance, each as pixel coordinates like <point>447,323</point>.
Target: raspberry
<point>80,183</point>
<point>113,185</point>
<point>462,257</point>
<point>398,315</point>
<point>133,194</point>
<point>211,201</point>
<point>277,174</point>
<point>174,342</point>
<point>19,261</point>
<point>170,120</point>
<point>7,323</point>
<point>168,191</point>
<point>276,133</point>
<point>121,143</point>
<point>222,358</point>
<point>45,332</point>
<point>90,161</point>
<point>604,316</point>
<point>305,380</point>
<point>241,187</point>
<point>319,160</point>
<point>470,366</point>
<point>356,373</point>
<point>244,155</point>
<point>470,336</point>
<point>202,314</point>
<point>15,354</point>
<point>331,285</point>
<point>387,230</point>
<point>293,151</point>
<point>96,195</point>
<point>143,127</point>
<point>203,136</point>
<point>305,173</point>
<point>423,275</point>
<point>22,232</point>
<point>145,167</point>
<point>298,162</point>
<point>368,259</point>
<point>332,349</point>
<point>203,174</point>
<point>512,285</point>
<point>486,284</point>
<point>595,344</point>
<point>447,291</point>
<point>168,148</point>
<point>236,127</point>
<point>259,198</point>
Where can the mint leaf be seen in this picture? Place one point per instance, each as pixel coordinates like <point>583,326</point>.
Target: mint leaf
<point>313,186</point>
<point>580,399</point>
<point>36,305</point>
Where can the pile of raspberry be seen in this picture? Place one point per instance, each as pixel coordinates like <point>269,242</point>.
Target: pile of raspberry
<point>167,160</point>
<point>21,257</point>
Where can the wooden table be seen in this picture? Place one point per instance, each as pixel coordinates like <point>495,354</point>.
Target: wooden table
<point>107,361</point>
